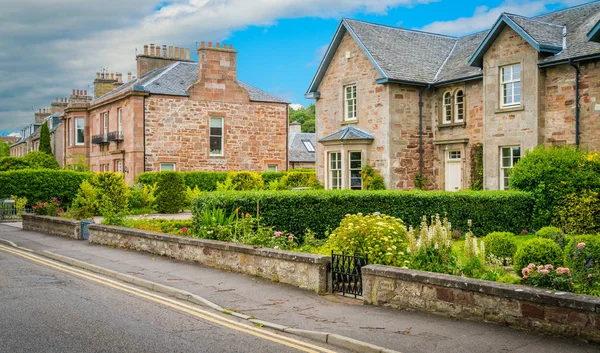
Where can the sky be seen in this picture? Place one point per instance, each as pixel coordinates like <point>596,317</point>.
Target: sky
<point>50,47</point>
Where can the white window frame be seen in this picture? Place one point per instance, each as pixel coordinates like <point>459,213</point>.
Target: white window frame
<point>120,122</point>
<point>105,168</point>
<point>105,125</point>
<point>350,169</point>
<point>222,136</point>
<point>274,168</point>
<point>77,142</point>
<point>309,146</point>
<point>459,107</point>
<point>119,166</point>
<point>350,100</point>
<point>166,163</point>
<point>454,155</point>
<point>447,108</point>
<point>511,83</point>
<point>506,167</point>
<point>337,170</point>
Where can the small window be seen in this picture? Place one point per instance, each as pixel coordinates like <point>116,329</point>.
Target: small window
<point>509,157</point>
<point>120,122</point>
<point>309,146</point>
<point>335,170</point>
<point>453,155</point>
<point>459,107</point>
<point>216,136</point>
<point>79,131</point>
<point>355,168</point>
<point>350,102</point>
<point>447,108</point>
<point>272,168</point>
<point>119,166</point>
<point>167,166</point>
<point>105,125</point>
<point>510,85</point>
<point>105,167</point>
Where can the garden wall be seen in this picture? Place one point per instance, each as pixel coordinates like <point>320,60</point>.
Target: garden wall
<point>63,227</point>
<point>301,270</point>
<point>520,307</point>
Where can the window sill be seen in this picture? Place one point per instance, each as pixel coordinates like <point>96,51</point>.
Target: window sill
<point>348,122</point>
<point>448,125</point>
<point>517,108</point>
<point>216,156</point>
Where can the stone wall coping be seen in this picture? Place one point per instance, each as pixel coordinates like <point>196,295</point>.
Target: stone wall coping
<point>511,291</point>
<point>33,217</point>
<point>215,244</point>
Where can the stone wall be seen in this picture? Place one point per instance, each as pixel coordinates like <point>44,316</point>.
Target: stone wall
<point>301,270</point>
<point>63,227</point>
<point>520,307</point>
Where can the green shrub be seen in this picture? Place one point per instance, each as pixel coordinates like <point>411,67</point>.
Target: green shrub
<point>269,177</point>
<point>191,194</point>
<point>552,233</point>
<point>371,179</point>
<point>294,180</point>
<point>113,197</point>
<point>382,238</point>
<point>214,224</point>
<point>161,225</point>
<point>41,160</point>
<point>42,185</point>
<point>432,251</point>
<point>502,245</point>
<point>537,251</point>
<point>85,204</point>
<point>241,181</point>
<point>546,276</point>
<point>579,213</point>
<point>582,252</point>
<point>553,173</point>
<point>170,195</point>
<point>321,210</point>
<point>13,163</point>
<point>143,196</point>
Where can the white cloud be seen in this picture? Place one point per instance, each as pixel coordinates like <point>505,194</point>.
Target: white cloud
<point>484,17</point>
<point>296,106</point>
<point>48,48</point>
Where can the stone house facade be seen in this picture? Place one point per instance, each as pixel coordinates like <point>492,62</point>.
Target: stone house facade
<point>411,103</point>
<point>177,115</point>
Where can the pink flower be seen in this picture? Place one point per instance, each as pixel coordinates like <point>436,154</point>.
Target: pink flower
<point>525,271</point>
<point>540,267</point>
<point>277,234</point>
<point>549,267</point>
<point>544,272</point>
<point>590,275</point>
<point>562,270</point>
<point>581,245</point>
<point>291,236</point>
<point>184,229</point>
<point>525,277</point>
<point>531,266</point>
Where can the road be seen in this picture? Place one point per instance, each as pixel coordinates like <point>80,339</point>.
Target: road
<point>49,307</point>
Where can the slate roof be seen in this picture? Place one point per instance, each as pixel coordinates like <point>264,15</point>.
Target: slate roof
<point>297,150</point>
<point>401,55</point>
<point>174,80</point>
<point>348,133</point>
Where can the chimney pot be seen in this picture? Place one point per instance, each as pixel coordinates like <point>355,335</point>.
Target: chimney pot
<point>128,76</point>
<point>112,76</point>
<point>97,75</point>
<point>181,53</point>
<point>210,44</point>
<point>230,46</point>
<point>164,47</point>
<point>170,51</point>
<point>85,92</point>
<point>146,49</point>
<point>152,49</point>
<point>218,45</point>
<point>202,44</point>
<point>73,92</point>
<point>176,54</point>
<point>187,53</point>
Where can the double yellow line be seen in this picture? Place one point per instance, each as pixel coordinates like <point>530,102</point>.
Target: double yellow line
<point>189,309</point>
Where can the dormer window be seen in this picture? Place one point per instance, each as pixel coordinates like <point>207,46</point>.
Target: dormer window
<point>447,108</point>
<point>459,107</point>
<point>510,85</point>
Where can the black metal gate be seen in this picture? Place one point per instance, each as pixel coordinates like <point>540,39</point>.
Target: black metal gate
<point>346,275</point>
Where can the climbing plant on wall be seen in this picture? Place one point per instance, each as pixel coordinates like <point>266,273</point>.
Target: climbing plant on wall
<point>477,166</point>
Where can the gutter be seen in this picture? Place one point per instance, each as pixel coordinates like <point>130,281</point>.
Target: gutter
<point>421,129</point>
<point>576,102</point>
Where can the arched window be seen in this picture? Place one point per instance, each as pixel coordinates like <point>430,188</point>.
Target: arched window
<point>447,108</point>
<point>459,107</point>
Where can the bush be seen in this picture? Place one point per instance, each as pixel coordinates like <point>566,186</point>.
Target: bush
<point>13,163</point>
<point>42,185</point>
<point>579,213</point>
<point>170,226</point>
<point>371,179</point>
<point>45,140</point>
<point>501,244</point>
<point>538,251</point>
<point>382,238</point>
<point>552,233</point>
<point>582,252</point>
<point>170,195</point>
<point>41,160</point>
<point>320,210</point>
<point>85,204</point>
<point>191,194</point>
<point>143,196</point>
<point>553,173</point>
<point>51,208</point>
<point>433,250</point>
<point>294,180</point>
<point>240,181</point>
<point>546,276</point>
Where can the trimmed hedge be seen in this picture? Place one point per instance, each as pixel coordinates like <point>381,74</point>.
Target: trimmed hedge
<point>206,181</point>
<point>321,210</point>
<point>42,185</point>
<point>170,193</point>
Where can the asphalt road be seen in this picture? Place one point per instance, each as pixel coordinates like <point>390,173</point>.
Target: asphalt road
<point>45,309</point>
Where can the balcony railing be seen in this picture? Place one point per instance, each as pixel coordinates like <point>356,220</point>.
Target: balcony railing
<point>115,136</point>
<point>99,139</point>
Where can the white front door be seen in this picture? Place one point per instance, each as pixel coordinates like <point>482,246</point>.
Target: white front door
<point>453,170</point>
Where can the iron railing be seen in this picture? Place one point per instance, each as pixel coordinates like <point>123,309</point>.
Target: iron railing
<point>8,213</point>
<point>100,139</point>
<point>346,274</point>
<point>115,136</point>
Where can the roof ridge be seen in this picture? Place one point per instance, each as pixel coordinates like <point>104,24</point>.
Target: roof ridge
<point>532,19</point>
<point>402,29</point>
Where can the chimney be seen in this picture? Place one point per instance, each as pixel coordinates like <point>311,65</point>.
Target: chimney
<point>160,56</point>
<point>217,74</point>
<point>128,76</point>
<point>119,80</point>
<point>104,84</point>
<point>58,106</point>
<point>295,127</point>
<point>41,115</point>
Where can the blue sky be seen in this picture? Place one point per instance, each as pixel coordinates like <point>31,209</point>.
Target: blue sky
<point>280,42</point>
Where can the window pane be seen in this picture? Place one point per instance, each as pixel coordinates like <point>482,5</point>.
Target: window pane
<point>505,74</point>
<point>516,69</point>
<point>216,122</point>
<point>215,145</point>
<point>167,166</point>
<point>216,131</point>
<point>516,151</point>
<point>272,168</point>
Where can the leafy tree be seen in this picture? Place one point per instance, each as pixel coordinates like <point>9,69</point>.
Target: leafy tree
<point>45,144</point>
<point>305,116</point>
<point>41,160</point>
<point>13,163</point>
<point>4,149</point>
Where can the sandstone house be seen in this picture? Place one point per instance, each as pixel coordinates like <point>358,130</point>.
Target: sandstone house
<point>412,103</point>
<point>176,115</point>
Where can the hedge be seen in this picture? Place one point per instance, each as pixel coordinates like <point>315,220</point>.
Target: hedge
<point>42,185</point>
<point>321,210</point>
<point>206,181</point>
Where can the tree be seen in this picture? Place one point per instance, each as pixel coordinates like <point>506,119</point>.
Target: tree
<point>45,144</point>
<point>305,116</point>
<point>40,160</point>
<point>4,149</point>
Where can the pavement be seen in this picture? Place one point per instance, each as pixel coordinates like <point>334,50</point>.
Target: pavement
<point>287,306</point>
